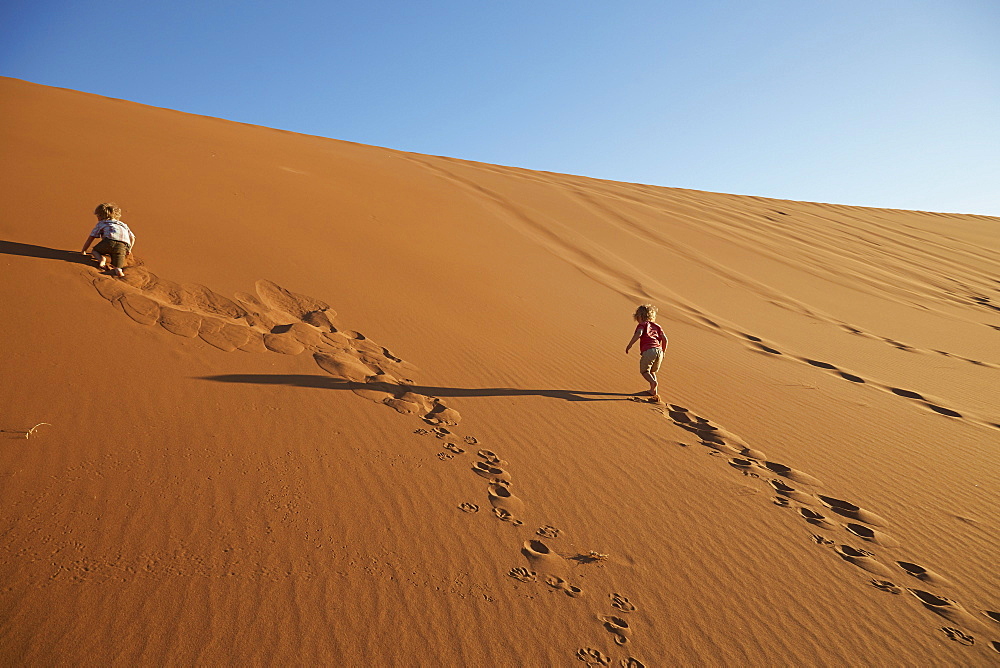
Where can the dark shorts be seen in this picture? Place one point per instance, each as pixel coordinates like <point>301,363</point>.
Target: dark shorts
<point>118,250</point>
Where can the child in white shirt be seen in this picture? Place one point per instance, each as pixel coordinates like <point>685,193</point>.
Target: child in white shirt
<point>116,239</point>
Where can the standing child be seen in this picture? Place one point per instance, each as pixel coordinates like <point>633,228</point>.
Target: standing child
<point>116,239</point>
<point>652,345</point>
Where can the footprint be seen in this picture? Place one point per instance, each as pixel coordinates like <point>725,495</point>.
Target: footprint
<point>740,463</point>
<point>501,498</point>
<point>522,574</point>
<point>822,540</point>
<point>444,456</point>
<point>555,582</point>
<point>632,662</point>
<point>619,628</point>
<point>339,364</point>
<point>471,440</point>
<point>223,335</point>
<point>454,448</point>
<point>716,445</point>
<point>109,288</point>
<point>468,508</point>
<point>542,559</point>
<point>862,559</point>
<point>490,472</point>
<point>401,405</point>
<point>995,645</point>
<point>886,585</point>
<point>942,410</point>
<point>141,309</point>
<point>922,573</point>
<point>491,457</point>
<point>389,355</point>
<point>548,531</point>
<point>285,344</point>
<point>792,493</point>
<point>304,334</point>
<point>958,636</point>
<point>622,603</point>
<point>254,344</point>
<point>995,616</point>
<point>790,473</point>
<point>871,535</point>
<point>819,519</point>
<point>848,509</point>
<point>203,300</point>
<point>322,320</point>
<point>592,657</point>
<point>906,393</point>
<point>441,432</point>
<point>947,608</point>
<point>278,298</point>
<point>181,323</point>
<point>421,432</point>
<point>441,414</point>
<point>506,516</point>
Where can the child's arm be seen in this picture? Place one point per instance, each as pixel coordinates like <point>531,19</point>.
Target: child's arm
<point>90,240</point>
<point>635,337</point>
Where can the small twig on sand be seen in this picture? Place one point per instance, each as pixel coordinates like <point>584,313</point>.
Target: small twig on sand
<point>27,433</point>
<point>32,430</point>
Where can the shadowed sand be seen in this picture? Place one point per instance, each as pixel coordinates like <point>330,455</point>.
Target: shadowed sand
<point>818,485</point>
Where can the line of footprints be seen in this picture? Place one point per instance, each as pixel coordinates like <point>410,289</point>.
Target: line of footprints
<point>819,510</point>
<point>276,320</point>
<point>280,321</point>
<point>545,565</point>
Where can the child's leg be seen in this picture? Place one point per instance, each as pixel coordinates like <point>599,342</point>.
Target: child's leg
<point>651,377</point>
<point>118,253</point>
<point>647,367</point>
<point>101,260</point>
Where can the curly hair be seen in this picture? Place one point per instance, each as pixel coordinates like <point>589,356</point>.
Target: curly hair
<point>645,313</point>
<point>108,210</point>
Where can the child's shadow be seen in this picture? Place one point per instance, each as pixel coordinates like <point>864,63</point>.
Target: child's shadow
<point>43,252</point>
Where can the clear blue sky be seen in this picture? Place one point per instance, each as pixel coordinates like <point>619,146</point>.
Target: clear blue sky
<point>870,102</point>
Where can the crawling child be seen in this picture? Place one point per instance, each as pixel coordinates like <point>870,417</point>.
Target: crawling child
<point>652,345</point>
<point>116,239</point>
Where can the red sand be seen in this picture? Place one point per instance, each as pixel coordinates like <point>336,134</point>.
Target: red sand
<point>239,467</point>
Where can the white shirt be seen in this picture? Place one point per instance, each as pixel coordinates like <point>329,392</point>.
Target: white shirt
<point>113,229</point>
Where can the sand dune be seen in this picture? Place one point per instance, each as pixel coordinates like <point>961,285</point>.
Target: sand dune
<point>353,406</point>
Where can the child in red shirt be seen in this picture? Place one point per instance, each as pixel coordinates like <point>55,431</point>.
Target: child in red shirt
<point>652,345</point>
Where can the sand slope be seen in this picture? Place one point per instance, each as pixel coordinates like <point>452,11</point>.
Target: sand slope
<point>362,407</point>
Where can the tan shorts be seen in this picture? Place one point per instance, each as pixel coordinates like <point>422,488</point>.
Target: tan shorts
<point>650,360</point>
